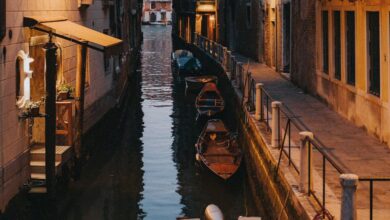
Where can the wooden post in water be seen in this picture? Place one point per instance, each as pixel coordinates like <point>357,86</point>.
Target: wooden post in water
<point>80,95</point>
<point>50,121</point>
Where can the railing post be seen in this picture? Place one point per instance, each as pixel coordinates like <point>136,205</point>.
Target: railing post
<point>258,114</point>
<point>227,59</point>
<point>275,123</point>
<point>348,197</point>
<point>306,162</point>
<point>196,39</point>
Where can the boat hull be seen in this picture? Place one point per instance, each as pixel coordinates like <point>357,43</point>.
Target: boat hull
<point>196,83</point>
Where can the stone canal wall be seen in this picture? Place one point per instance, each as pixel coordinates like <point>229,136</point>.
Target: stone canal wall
<point>276,192</point>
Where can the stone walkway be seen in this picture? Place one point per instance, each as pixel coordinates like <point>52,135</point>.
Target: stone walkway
<point>350,147</point>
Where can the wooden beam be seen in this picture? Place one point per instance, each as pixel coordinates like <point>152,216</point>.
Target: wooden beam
<point>50,121</point>
<point>80,96</point>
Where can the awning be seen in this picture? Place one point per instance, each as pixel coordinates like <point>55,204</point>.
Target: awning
<point>61,27</point>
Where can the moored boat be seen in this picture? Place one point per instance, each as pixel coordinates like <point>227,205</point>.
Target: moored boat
<point>196,83</point>
<point>209,102</point>
<point>185,64</point>
<point>218,150</point>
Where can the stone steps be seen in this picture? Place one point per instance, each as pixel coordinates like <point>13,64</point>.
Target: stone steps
<point>38,165</point>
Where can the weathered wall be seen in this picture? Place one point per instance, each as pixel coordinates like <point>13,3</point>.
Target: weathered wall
<point>243,36</point>
<point>355,102</point>
<point>303,44</point>
<point>14,149</point>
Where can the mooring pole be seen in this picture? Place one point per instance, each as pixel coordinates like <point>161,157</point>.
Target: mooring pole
<point>80,95</point>
<point>50,121</point>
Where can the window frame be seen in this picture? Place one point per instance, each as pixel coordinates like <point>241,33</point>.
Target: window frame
<point>376,91</point>
<point>336,44</point>
<point>325,57</point>
<point>350,80</point>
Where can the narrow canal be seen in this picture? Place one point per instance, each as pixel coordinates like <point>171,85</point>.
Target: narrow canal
<point>172,183</point>
<point>146,168</point>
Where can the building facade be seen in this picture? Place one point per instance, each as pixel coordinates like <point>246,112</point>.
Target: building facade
<point>91,75</point>
<point>157,12</point>
<point>336,50</point>
<point>352,69</point>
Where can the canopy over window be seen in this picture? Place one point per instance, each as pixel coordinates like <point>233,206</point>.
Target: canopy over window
<point>61,27</point>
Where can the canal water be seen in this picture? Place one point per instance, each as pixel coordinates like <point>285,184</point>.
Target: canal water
<point>173,185</point>
<point>144,167</point>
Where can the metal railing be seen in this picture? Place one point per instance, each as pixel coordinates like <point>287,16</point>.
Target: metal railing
<point>371,181</point>
<point>292,125</point>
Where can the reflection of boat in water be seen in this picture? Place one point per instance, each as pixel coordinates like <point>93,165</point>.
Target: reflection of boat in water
<point>218,150</point>
<point>185,64</point>
<point>196,83</point>
<point>209,102</point>
<point>212,212</point>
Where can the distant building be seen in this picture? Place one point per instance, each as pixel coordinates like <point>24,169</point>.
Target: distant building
<point>157,12</point>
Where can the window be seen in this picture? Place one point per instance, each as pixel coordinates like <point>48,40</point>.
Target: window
<point>2,18</point>
<point>337,44</point>
<point>350,46</point>
<point>325,42</point>
<point>163,16</point>
<point>373,58</point>
<point>153,5</point>
<point>286,37</point>
<point>248,14</point>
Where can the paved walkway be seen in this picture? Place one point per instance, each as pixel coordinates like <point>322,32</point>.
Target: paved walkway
<point>352,148</point>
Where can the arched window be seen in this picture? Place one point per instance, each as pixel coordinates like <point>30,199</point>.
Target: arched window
<point>23,76</point>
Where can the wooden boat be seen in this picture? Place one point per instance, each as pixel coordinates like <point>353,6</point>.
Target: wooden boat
<point>185,64</point>
<point>196,83</point>
<point>218,150</point>
<point>209,102</point>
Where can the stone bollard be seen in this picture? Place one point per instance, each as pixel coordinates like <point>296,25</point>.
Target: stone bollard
<point>304,165</point>
<point>348,197</point>
<point>258,113</point>
<point>275,123</point>
<point>228,60</point>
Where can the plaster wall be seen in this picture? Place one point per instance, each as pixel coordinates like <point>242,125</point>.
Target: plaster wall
<point>13,132</point>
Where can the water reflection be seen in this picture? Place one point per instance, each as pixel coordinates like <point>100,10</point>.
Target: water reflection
<point>173,184</point>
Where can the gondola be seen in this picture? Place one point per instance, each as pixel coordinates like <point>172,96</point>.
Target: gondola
<point>218,150</point>
<point>185,64</point>
<point>196,83</point>
<point>209,102</point>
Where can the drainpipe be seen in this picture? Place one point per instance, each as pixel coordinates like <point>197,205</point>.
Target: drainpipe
<point>50,122</point>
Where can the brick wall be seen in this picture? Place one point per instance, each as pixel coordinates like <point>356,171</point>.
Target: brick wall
<point>303,57</point>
